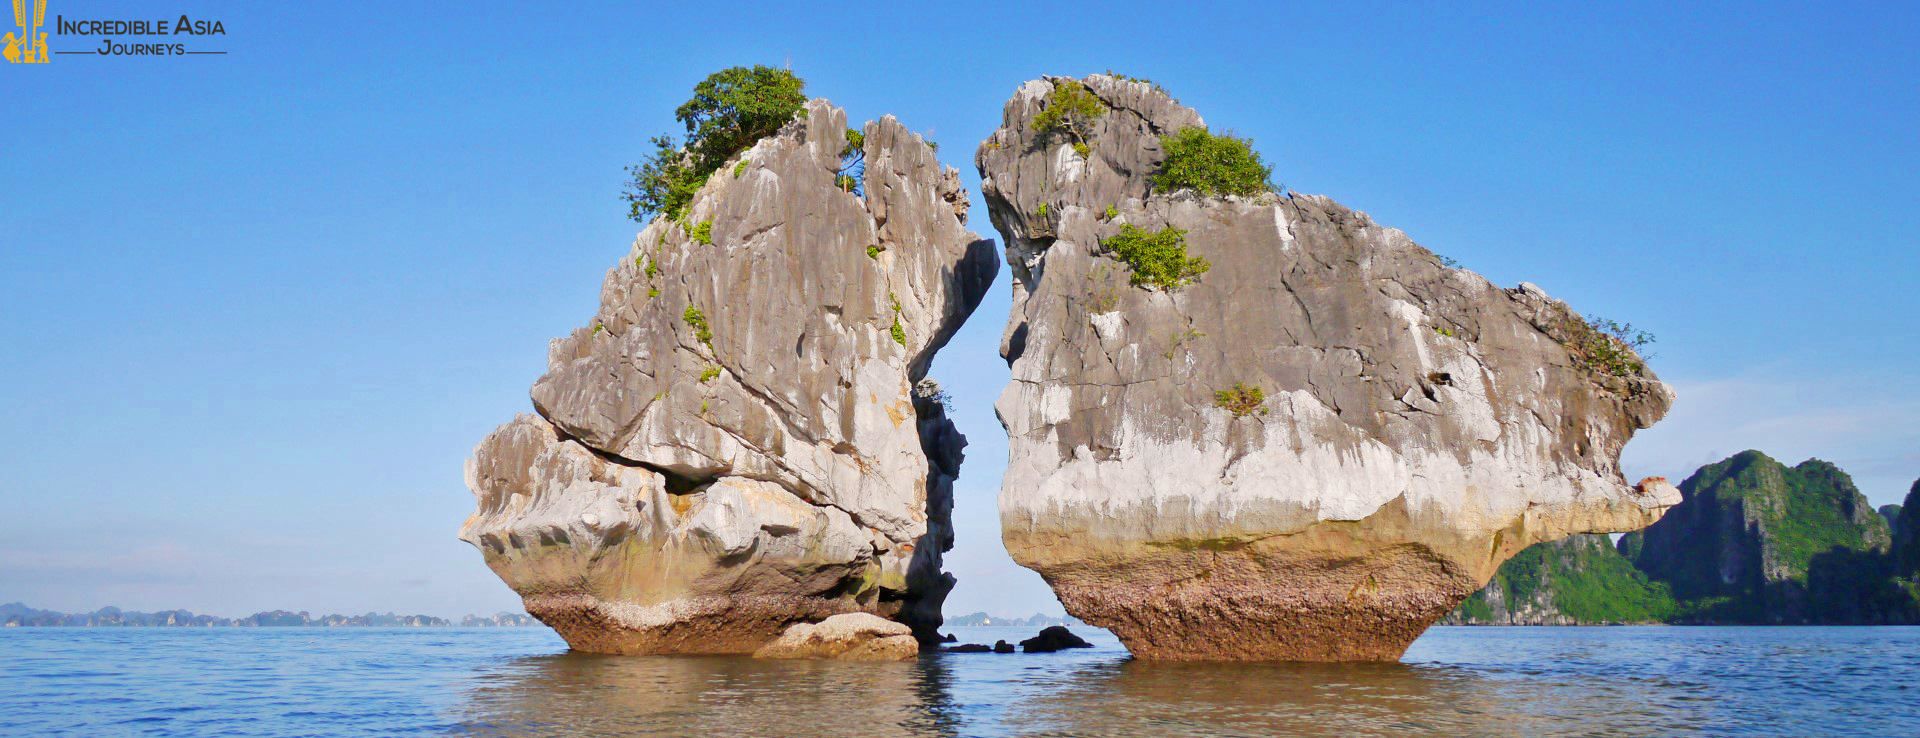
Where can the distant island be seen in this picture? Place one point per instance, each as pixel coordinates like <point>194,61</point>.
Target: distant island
<point>981,618</point>
<point>1754,542</point>
<point>17,615</point>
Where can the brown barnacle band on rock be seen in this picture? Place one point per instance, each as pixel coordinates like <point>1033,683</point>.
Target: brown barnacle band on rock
<point>1310,449</point>
<point>729,449</point>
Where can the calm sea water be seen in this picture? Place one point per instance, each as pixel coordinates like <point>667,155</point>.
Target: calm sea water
<point>523,681</point>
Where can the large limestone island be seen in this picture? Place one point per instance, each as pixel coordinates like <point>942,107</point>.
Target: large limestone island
<point>739,440</point>
<point>1309,446</point>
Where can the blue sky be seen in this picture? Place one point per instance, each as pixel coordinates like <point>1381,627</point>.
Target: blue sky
<point>257,308</point>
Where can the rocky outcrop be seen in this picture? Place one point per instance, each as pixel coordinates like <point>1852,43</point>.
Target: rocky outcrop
<point>1757,541</point>
<point>853,636</point>
<point>1417,425</point>
<point>1053,638</point>
<point>739,440</point>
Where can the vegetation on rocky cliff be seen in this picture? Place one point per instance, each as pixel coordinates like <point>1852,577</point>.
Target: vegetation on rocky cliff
<point>1070,111</point>
<point>1211,164</point>
<point>1241,399</point>
<point>1158,258</point>
<point>1753,535</point>
<point>729,111</point>
<point>1608,346</point>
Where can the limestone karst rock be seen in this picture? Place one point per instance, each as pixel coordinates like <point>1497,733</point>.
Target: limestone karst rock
<point>740,439</point>
<point>1753,542</point>
<point>1416,425</point>
<point>853,636</point>
<point>1760,542</point>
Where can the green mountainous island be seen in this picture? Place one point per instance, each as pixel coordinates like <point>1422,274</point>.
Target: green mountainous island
<point>1754,542</point>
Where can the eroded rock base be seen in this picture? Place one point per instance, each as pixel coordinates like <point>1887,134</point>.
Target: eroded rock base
<point>703,625</point>
<point>1258,603</point>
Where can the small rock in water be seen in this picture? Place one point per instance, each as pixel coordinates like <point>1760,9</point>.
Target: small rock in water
<point>853,636</point>
<point>1052,638</point>
<point>1002,647</point>
<point>949,638</point>
<point>972,648</point>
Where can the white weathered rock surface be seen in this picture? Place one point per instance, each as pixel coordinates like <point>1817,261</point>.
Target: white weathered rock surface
<point>676,494</point>
<point>1421,424</point>
<point>854,636</point>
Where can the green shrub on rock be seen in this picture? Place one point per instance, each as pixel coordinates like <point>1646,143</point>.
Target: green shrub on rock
<point>1211,165</point>
<point>1158,258</point>
<point>1241,400</point>
<point>703,233</point>
<point>698,321</point>
<point>1606,346</point>
<point>1142,80</point>
<point>898,331</point>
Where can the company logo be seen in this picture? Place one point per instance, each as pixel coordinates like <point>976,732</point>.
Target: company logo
<point>30,45</point>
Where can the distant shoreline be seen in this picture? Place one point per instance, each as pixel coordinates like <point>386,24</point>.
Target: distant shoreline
<point>18,615</point>
<point>230,626</point>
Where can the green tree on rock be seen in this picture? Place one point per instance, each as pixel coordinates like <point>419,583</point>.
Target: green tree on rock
<point>1070,110</point>
<point>729,111</point>
<point>733,108</point>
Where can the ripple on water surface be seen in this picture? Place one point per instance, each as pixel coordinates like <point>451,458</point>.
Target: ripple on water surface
<point>521,681</point>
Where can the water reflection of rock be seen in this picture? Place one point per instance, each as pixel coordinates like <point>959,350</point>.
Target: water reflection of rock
<point>1134,698</point>
<point>1566,689</point>
<point>577,693</point>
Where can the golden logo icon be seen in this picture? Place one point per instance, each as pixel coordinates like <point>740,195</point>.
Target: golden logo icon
<point>30,45</point>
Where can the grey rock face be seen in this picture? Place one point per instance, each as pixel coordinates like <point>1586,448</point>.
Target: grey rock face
<point>1420,425</point>
<point>734,443</point>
